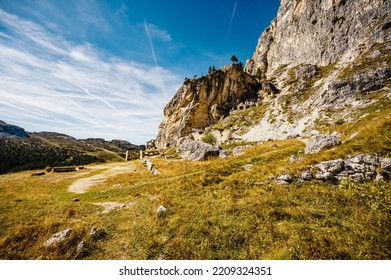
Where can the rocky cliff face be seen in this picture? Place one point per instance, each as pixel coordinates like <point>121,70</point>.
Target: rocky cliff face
<point>320,32</point>
<point>320,62</point>
<point>202,102</point>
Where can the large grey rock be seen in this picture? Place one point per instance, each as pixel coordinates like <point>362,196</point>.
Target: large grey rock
<point>194,150</point>
<point>57,237</point>
<point>332,166</point>
<point>319,142</point>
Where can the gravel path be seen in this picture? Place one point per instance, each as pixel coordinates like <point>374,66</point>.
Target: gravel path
<point>84,184</point>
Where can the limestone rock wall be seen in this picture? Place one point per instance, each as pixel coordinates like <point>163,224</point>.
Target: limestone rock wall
<point>204,101</point>
<point>320,32</point>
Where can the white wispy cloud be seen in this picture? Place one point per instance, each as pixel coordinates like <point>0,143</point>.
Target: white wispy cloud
<point>49,83</point>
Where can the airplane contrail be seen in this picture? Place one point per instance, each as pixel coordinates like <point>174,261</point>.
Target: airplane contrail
<point>232,18</point>
<point>97,97</point>
<point>150,42</point>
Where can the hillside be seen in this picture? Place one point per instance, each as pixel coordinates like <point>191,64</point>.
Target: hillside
<point>36,150</point>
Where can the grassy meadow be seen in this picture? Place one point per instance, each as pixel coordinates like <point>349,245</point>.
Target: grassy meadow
<point>215,209</point>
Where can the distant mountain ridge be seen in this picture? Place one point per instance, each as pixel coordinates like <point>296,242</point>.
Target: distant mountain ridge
<point>9,130</point>
<point>21,150</point>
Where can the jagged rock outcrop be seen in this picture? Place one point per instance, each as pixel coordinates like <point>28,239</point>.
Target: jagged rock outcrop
<point>204,101</point>
<point>320,32</point>
<point>357,168</point>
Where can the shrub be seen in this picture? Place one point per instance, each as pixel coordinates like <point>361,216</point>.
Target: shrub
<point>209,138</point>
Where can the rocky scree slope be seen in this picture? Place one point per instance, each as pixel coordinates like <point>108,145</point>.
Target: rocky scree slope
<point>319,62</point>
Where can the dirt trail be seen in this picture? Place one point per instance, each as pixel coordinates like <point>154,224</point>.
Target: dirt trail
<point>84,184</point>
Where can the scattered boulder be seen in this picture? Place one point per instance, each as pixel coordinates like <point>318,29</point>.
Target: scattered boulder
<point>161,210</point>
<point>76,199</point>
<point>194,150</point>
<point>319,142</point>
<point>150,165</point>
<point>294,158</point>
<point>248,166</point>
<point>155,172</point>
<point>357,168</point>
<point>82,245</point>
<point>57,237</point>
<point>331,166</point>
<point>285,179</point>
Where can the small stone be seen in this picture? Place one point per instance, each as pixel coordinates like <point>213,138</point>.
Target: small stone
<point>76,199</point>
<point>82,244</point>
<point>57,237</point>
<point>161,210</point>
<point>294,158</point>
<point>285,177</point>
<point>150,165</point>
<point>248,166</point>
<point>155,171</point>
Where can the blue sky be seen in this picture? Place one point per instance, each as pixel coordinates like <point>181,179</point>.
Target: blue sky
<point>100,68</point>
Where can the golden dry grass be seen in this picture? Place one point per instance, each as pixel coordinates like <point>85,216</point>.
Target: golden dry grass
<point>215,209</point>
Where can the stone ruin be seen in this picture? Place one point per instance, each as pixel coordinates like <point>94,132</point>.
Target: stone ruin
<point>151,144</point>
